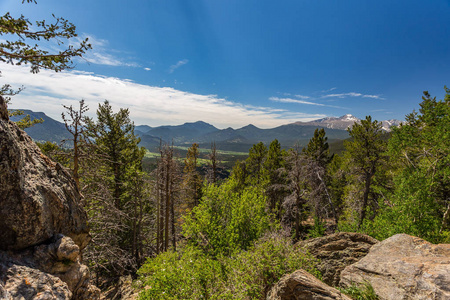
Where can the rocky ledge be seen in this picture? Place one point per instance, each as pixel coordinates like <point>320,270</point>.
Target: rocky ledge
<point>403,267</point>
<point>43,226</point>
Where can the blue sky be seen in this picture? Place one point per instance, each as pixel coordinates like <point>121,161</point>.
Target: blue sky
<point>231,63</point>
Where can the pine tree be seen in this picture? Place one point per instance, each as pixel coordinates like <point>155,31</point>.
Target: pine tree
<point>192,179</point>
<point>365,153</point>
<point>116,193</point>
<point>317,157</point>
<point>275,177</point>
<point>256,157</point>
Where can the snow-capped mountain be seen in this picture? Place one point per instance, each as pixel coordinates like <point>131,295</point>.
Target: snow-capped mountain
<point>345,122</point>
<point>387,124</point>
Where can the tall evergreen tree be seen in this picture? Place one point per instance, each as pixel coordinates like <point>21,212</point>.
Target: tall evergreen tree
<point>275,177</point>
<point>192,179</point>
<point>365,153</point>
<point>256,157</point>
<point>113,133</point>
<point>317,157</point>
<point>116,193</point>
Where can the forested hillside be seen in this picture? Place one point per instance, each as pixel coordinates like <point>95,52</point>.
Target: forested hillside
<point>188,234</point>
<point>103,209</point>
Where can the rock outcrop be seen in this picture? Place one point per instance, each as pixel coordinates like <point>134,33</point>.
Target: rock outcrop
<point>43,227</point>
<point>38,197</point>
<point>301,285</point>
<point>404,267</point>
<point>336,252</point>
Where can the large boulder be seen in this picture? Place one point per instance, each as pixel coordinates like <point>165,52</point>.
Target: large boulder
<point>38,198</point>
<point>50,269</point>
<point>336,252</point>
<point>301,285</point>
<point>403,267</point>
<point>43,226</point>
<point>23,282</point>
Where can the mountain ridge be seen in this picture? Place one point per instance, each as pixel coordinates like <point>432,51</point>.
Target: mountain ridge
<point>345,122</point>
<point>203,133</point>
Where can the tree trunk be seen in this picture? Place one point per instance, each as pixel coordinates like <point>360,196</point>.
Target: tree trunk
<point>167,213</point>
<point>362,214</point>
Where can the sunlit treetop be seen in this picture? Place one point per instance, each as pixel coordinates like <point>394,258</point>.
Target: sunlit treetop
<point>26,43</point>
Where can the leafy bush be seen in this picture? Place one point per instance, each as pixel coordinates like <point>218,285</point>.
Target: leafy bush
<point>192,274</point>
<point>252,273</point>
<point>187,274</point>
<point>226,221</point>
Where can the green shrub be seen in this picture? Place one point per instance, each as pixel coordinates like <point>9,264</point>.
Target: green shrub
<point>187,274</point>
<point>252,273</point>
<point>363,291</point>
<point>249,274</point>
<point>226,221</point>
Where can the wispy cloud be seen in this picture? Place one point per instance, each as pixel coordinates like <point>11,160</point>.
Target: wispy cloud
<point>177,65</point>
<point>302,97</point>
<point>296,101</point>
<point>147,69</point>
<point>150,105</point>
<point>352,94</point>
<point>100,54</point>
<point>290,100</point>
<point>329,90</point>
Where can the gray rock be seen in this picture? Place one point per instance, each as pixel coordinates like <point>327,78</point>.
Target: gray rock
<point>38,198</point>
<point>22,282</point>
<point>4,294</point>
<point>404,267</point>
<point>46,262</point>
<point>336,252</point>
<point>43,227</point>
<point>301,285</point>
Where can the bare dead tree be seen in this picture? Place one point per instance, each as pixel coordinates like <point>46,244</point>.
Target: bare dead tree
<point>295,203</point>
<point>75,125</point>
<point>166,183</point>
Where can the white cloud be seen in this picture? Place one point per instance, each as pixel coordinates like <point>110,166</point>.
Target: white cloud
<point>177,65</point>
<point>296,101</point>
<point>329,90</point>
<point>147,69</point>
<point>352,94</point>
<point>47,91</point>
<point>100,54</point>
<point>290,100</point>
<point>302,97</point>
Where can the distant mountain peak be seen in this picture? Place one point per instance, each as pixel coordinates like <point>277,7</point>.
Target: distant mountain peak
<point>250,126</point>
<point>349,117</point>
<point>345,122</point>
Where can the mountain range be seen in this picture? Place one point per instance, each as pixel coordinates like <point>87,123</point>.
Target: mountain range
<point>203,133</point>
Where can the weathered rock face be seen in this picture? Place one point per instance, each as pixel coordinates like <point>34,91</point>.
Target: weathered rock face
<point>27,283</point>
<point>301,285</point>
<point>51,270</point>
<point>337,251</point>
<point>43,226</point>
<point>404,267</point>
<point>38,198</point>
